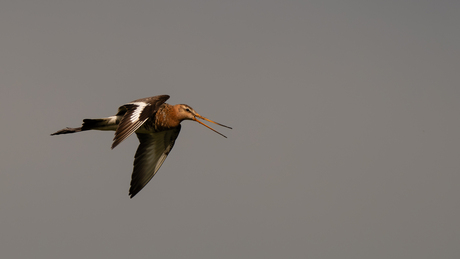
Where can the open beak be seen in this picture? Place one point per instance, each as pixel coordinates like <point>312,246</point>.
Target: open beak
<point>203,118</point>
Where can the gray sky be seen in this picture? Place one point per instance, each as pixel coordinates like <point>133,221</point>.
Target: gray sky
<point>345,142</point>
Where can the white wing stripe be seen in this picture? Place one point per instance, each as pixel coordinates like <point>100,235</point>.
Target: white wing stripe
<point>137,112</point>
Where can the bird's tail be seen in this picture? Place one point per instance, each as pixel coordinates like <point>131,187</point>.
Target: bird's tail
<point>66,131</point>
<point>110,123</point>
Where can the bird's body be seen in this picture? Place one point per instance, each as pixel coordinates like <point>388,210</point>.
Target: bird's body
<point>156,124</point>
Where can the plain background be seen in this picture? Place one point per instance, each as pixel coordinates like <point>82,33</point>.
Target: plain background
<point>345,140</point>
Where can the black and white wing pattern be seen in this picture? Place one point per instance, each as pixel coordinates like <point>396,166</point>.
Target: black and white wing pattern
<point>135,114</point>
<point>150,155</point>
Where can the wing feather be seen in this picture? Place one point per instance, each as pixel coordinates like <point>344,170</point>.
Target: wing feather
<point>150,155</point>
<point>136,113</point>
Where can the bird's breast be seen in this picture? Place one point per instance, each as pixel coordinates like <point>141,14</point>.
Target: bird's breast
<point>164,119</point>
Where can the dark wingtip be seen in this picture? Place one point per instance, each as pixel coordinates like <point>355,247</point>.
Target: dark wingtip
<point>132,194</point>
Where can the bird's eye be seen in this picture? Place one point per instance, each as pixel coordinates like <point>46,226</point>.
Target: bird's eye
<point>187,109</point>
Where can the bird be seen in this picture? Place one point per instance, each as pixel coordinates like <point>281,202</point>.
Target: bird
<point>157,126</point>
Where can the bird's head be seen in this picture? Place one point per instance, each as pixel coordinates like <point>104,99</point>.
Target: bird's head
<point>186,112</point>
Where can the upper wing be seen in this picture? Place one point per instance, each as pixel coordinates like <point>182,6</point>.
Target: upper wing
<point>135,114</point>
<point>150,155</point>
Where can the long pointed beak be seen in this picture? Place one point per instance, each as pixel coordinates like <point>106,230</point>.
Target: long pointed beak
<point>203,118</point>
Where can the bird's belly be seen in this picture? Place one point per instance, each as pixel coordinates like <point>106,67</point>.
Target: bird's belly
<point>144,130</point>
<point>149,128</point>
<point>108,128</point>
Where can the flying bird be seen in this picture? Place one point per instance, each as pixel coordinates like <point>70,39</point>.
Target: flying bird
<point>156,124</point>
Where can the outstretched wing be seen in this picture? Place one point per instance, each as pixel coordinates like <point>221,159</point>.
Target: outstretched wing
<point>150,155</point>
<point>137,112</point>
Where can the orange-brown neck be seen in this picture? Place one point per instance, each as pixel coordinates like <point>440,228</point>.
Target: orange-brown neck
<point>166,117</point>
